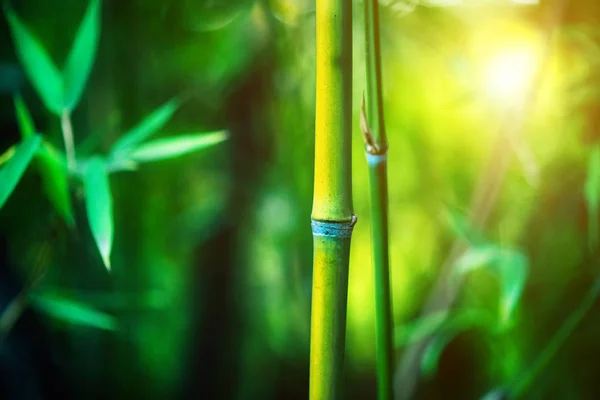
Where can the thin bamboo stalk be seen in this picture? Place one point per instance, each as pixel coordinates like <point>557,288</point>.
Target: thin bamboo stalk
<point>332,215</point>
<point>376,151</point>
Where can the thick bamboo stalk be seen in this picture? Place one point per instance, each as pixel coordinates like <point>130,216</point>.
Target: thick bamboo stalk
<point>376,152</point>
<point>332,215</point>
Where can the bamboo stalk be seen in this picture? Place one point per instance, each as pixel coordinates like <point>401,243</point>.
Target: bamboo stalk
<point>376,151</point>
<point>332,215</point>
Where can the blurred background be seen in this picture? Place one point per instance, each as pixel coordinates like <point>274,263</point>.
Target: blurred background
<point>209,294</point>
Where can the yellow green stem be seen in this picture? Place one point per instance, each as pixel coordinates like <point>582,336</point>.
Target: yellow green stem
<point>376,151</point>
<point>332,213</point>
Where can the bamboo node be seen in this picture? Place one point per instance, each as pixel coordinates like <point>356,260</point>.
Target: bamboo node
<point>336,229</point>
<point>376,159</point>
<point>371,145</point>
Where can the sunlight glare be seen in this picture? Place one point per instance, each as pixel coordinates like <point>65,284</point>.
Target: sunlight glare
<point>510,73</point>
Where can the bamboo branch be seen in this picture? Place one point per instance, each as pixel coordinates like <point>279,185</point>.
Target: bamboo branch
<point>67,130</point>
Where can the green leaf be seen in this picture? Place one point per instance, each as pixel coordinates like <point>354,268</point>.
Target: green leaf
<point>55,178</point>
<point>24,119</point>
<point>461,226</point>
<point>11,172</point>
<point>511,266</point>
<point>420,329</point>
<point>513,269</point>
<point>592,196</point>
<point>98,201</point>
<point>72,312</point>
<point>52,169</point>
<point>452,327</point>
<point>38,66</point>
<point>433,352</point>
<point>477,257</point>
<point>4,157</point>
<point>82,55</point>
<point>171,147</point>
<point>149,125</point>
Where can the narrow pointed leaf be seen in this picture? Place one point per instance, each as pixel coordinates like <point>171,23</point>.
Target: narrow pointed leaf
<point>592,196</point>
<point>38,65</point>
<point>420,329</point>
<point>55,178</point>
<point>24,119</point>
<point>98,201</point>
<point>510,266</point>
<point>52,169</point>
<point>462,228</point>
<point>452,326</point>
<point>82,55</point>
<point>433,353</point>
<point>148,126</point>
<point>8,153</point>
<point>477,257</point>
<point>12,171</point>
<point>513,268</point>
<point>72,312</point>
<point>171,147</point>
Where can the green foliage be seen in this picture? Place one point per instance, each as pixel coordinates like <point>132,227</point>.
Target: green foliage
<point>592,195</point>
<point>98,202</point>
<point>52,167</point>
<point>24,119</point>
<point>148,126</point>
<point>420,329</point>
<point>55,179</point>
<point>72,312</point>
<point>8,153</point>
<point>171,147</point>
<point>461,227</point>
<point>460,321</point>
<point>509,265</point>
<point>81,58</point>
<point>59,92</point>
<point>433,353</point>
<point>61,95</point>
<point>441,328</point>
<point>13,169</point>
<point>40,69</point>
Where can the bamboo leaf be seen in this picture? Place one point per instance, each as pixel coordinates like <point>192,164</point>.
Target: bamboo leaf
<point>510,266</point>
<point>24,119</point>
<point>513,269</point>
<point>592,196</point>
<point>4,157</point>
<point>98,201</point>
<point>72,312</point>
<point>149,125</point>
<point>461,226</point>
<point>420,329</point>
<point>11,172</point>
<point>55,178</point>
<point>52,169</point>
<point>475,258</point>
<point>82,55</point>
<point>433,352</point>
<point>171,147</point>
<point>38,65</point>
<point>452,326</point>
